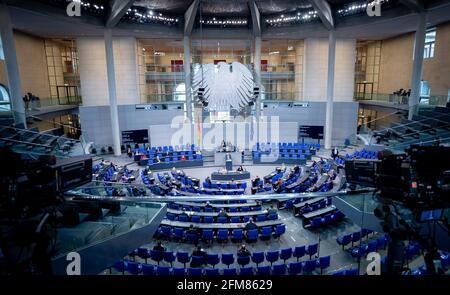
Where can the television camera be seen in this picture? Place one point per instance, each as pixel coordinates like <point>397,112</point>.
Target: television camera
<point>413,192</point>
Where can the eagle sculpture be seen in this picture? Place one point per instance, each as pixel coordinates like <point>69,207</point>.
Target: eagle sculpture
<point>226,86</point>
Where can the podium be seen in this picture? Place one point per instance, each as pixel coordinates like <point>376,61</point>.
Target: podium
<point>229,164</point>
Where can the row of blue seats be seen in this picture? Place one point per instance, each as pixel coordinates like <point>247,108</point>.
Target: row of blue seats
<point>222,235</point>
<point>176,206</point>
<point>257,155</point>
<point>228,259</point>
<point>173,159</point>
<point>363,249</point>
<point>109,173</point>
<point>235,185</point>
<point>219,219</point>
<point>294,268</point>
<point>353,237</point>
<point>286,145</point>
<point>167,148</point>
<point>340,161</point>
<point>328,219</point>
<point>363,154</point>
<point>206,191</point>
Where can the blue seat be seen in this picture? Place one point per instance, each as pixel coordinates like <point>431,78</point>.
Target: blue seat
<point>309,266</point>
<point>323,262</point>
<point>285,254</point>
<point>156,255</point>
<point>272,256</point>
<point>280,229</point>
<point>208,219</point>
<point>263,270</point>
<point>273,216</point>
<point>169,257</point>
<point>372,246</point>
<point>148,269</point>
<point>133,268</point>
<point>163,270</point>
<point>179,271</point>
<point>197,261</point>
<point>252,235</point>
<point>183,257</point>
<point>119,266</point>
<point>344,240</point>
<point>312,249</point>
<point>209,210</point>
<point>213,259</point>
<point>351,272</point>
<point>143,253</point>
<point>299,252</point>
<point>235,219</point>
<point>237,235</point>
<point>279,269</point>
<point>227,259</point>
<point>229,271</point>
<point>246,271</point>
<point>339,273</point>
<point>192,238</point>
<point>243,260</point>
<point>359,251</point>
<point>171,216</point>
<point>260,218</point>
<point>212,271</point>
<point>316,222</point>
<point>164,231</point>
<point>356,236</point>
<point>222,235</point>
<point>195,218</point>
<point>258,257</point>
<point>295,268</point>
<point>222,219</point>
<point>266,233</point>
<point>195,271</point>
<point>207,235</point>
<point>178,233</point>
<point>382,242</point>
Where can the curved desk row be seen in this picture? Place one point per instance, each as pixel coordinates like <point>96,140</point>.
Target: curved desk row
<point>194,204</point>
<point>182,224</point>
<point>230,175</point>
<point>216,214</point>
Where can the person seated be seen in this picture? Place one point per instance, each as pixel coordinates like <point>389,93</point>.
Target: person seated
<point>148,148</point>
<point>271,210</point>
<point>208,204</point>
<point>250,225</point>
<point>240,169</point>
<point>243,251</point>
<point>183,158</point>
<point>159,247</point>
<point>158,160</point>
<point>208,181</point>
<point>267,186</point>
<point>129,151</point>
<point>223,213</point>
<point>184,213</point>
<point>255,181</point>
<point>200,252</point>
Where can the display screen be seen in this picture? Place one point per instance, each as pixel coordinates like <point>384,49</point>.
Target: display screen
<point>431,215</point>
<point>315,132</point>
<point>135,136</point>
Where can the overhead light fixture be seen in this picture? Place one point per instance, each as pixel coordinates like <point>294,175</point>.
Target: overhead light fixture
<point>274,52</point>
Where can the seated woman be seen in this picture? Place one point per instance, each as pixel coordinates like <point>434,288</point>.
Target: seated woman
<point>183,158</point>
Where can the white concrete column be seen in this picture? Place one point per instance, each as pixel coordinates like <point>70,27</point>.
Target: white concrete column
<point>330,89</point>
<point>298,68</point>
<point>257,64</point>
<point>419,44</point>
<point>12,68</point>
<point>112,91</point>
<point>187,76</point>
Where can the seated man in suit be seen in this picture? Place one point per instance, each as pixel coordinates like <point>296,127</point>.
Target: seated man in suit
<point>271,210</point>
<point>208,181</point>
<point>243,251</point>
<point>159,247</point>
<point>184,213</point>
<point>250,225</point>
<point>200,253</point>
<point>193,231</point>
<point>222,213</point>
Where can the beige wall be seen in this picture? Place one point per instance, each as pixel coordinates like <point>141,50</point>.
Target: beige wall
<point>436,70</point>
<point>32,64</point>
<point>397,60</point>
